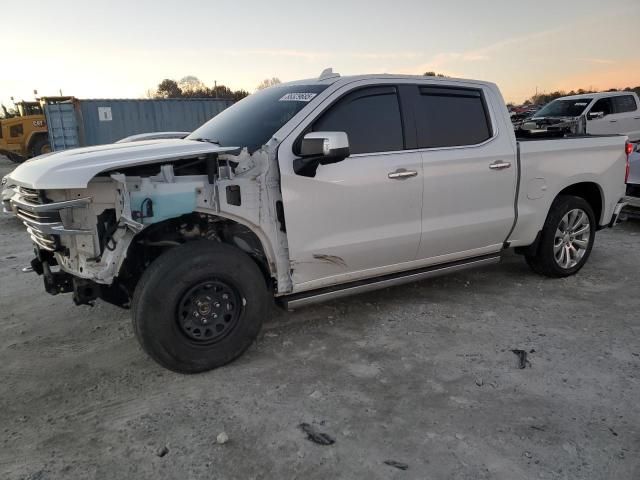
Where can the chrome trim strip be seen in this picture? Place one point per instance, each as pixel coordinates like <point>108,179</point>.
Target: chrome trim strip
<point>374,284</point>
<point>53,228</point>
<point>47,207</point>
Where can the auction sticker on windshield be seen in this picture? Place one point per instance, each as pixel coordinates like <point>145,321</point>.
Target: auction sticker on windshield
<point>298,97</point>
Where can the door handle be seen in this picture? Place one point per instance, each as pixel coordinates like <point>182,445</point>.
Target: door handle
<point>613,121</point>
<point>499,165</point>
<point>636,118</point>
<point>402,174</point>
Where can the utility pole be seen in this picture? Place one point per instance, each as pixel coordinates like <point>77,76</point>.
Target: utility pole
<point>215,88</point>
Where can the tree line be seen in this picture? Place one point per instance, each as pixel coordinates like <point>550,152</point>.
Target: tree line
<point>193,87</point>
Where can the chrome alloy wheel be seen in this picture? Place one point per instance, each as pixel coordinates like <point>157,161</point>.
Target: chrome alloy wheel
<point>571,240</point>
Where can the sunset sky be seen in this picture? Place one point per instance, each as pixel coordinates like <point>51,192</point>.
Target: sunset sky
<point>122,48</point>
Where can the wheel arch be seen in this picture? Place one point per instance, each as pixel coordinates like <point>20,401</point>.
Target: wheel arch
<point>591,192</point>
<point>34,137</point>
<point>155,239</point>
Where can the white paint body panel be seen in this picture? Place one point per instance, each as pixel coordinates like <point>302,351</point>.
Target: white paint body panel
<point>549,166</point>
<point>75,168</point>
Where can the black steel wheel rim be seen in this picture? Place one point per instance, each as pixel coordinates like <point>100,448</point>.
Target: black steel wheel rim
<point>209,311</point>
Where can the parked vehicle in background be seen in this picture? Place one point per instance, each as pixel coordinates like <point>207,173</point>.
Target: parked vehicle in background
<point>153,136</point>
<point>633,184</point>
<point>25,134</point>
<point>309,191</point>
<point>606,113</point>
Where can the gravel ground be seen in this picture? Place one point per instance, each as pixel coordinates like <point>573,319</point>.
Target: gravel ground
<point>421,374</point>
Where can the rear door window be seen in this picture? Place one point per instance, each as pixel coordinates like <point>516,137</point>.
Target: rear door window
<point>451,117</point>
<point>370,117</point>
<point>624,103</point>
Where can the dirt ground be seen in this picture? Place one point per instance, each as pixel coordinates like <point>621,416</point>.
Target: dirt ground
<point>421,374</point>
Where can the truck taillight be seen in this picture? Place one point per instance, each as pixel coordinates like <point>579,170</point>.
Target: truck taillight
<point>628,148</point>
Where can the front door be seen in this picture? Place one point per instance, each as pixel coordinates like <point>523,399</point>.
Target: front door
<point>608,124</point>
<point>355,218</point>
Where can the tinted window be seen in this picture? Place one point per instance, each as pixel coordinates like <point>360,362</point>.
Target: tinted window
<point>16,131</point>
<point>603,105</point>
<point>564,108</point>
<point>370,117</point>
<point>253,120</point>
<point>624,103</point>
<point>449,117</point>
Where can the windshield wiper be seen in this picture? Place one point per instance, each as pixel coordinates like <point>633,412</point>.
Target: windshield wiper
<point>207,140</point>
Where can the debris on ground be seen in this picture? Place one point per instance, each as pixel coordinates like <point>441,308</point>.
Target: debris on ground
<point>479,381</point>
<point>222,438</point>
<point>315,436</point>
<point>161,452</point>
<point>395,464</point>
<point>316,394</point>
<point>522,358</point>
<point>613,432</point>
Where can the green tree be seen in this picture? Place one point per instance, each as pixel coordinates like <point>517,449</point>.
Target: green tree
<point>168,89</point>
<point>192,87</point>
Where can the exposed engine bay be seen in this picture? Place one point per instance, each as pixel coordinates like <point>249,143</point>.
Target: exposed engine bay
<point>101,238</point>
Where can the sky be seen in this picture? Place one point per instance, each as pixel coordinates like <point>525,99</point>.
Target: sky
<point>121,49</point>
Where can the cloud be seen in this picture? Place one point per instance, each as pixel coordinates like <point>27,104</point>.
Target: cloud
<point>599,61</point>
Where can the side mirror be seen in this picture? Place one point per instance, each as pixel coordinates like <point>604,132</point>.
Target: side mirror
<point>594,115</point>
<point>321,148</point>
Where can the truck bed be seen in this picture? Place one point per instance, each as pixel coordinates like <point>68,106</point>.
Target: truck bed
<point>550,164</point>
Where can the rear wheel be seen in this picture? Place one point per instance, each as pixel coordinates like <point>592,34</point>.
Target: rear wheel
<point>199,306</point>
<point>567,238</point>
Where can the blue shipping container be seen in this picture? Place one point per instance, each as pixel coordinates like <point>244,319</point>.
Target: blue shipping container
<point>77,123</point>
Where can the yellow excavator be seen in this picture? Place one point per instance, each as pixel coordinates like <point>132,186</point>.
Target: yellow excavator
<point>24,133</point>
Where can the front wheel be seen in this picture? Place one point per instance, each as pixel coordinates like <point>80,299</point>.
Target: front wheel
<point>40,147</point>
<point>199,306</point>
<point>567,238</point>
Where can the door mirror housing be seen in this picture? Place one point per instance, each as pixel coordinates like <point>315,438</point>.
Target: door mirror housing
<point>594,115</point>
<point>320,148</point>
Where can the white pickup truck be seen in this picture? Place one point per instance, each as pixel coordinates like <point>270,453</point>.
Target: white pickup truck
<point>308,191</point>
<point>605,113</point>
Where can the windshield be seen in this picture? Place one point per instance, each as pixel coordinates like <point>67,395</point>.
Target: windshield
<point>564,108</point>
<point>253,120</point>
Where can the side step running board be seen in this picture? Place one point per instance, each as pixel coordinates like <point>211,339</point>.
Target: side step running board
<point>338,291</point>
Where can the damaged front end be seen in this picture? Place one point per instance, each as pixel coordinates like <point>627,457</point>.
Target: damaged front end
<point>97,241</point>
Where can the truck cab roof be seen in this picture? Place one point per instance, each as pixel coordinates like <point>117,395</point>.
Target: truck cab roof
<point>331,78</point>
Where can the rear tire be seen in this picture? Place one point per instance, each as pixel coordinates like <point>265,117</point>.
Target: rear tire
<point>199,306</point>
<point>567,238</point>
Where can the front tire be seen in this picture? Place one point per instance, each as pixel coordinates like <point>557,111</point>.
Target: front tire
<point>40,147</point>
<point>199,306</point>
<point>567,238</point>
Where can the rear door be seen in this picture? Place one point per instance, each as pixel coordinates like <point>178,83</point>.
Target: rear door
<point>470,172</point>
<point>354,219</point>
<point>627,115</point>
